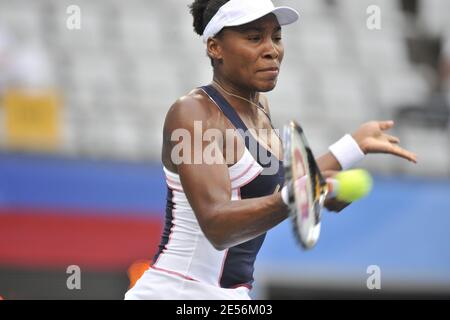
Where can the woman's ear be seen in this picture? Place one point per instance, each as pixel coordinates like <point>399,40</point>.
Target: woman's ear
<point>214,49</point>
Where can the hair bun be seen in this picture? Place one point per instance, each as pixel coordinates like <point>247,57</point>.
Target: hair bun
<point>203,11</point>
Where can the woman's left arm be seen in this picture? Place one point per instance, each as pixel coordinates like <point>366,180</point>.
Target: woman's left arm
<point>371,137</point>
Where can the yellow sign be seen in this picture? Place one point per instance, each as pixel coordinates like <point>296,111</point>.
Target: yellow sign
<point>32,120</point>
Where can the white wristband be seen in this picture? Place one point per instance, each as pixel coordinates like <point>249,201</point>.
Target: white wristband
<point>347,152</point>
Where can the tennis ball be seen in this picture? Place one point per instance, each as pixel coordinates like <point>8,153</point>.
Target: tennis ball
<point>353,184</point>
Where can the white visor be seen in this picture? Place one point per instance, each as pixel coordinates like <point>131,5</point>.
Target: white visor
<point>239,12</point>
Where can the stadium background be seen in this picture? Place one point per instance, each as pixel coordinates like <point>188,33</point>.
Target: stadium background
<point>81,117</point>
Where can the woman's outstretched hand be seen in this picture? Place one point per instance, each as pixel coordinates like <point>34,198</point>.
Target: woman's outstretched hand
<point>372,138</point>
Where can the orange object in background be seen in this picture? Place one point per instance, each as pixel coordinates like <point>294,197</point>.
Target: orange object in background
<point>32,120</point>
<point>136,270</point>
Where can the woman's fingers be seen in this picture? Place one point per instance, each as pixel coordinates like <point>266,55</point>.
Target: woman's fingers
<point>386,125</point>
<point>335,205</point>
<point>403,153</point>
<point>372,139</point>
<point>392,139</point>
<point>383,146</point>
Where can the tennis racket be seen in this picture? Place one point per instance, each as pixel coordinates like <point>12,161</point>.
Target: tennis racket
<point>309,190</point>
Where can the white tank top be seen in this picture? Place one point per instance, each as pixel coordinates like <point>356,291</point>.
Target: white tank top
<point>188,253</point>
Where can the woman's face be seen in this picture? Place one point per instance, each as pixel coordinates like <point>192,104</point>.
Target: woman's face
<point>251,54</point>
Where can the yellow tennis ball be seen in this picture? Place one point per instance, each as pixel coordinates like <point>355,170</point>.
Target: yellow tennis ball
<point>353,184</point>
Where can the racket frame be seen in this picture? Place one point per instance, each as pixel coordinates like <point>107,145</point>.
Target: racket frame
<point>315,185</point>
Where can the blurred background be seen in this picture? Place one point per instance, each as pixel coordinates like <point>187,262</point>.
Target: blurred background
<point>81,115</point>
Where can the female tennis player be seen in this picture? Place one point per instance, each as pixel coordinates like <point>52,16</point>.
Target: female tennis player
<point>219,212</point>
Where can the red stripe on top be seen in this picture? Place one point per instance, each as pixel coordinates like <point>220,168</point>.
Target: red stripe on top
<point>245,171</point>
<point>249,287</point>
<point>173,188</point>
<point>172,181</point>
<point>173,273</point>
<point>250,179</point>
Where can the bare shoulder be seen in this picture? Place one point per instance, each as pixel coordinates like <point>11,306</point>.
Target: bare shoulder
<point>194,106</point>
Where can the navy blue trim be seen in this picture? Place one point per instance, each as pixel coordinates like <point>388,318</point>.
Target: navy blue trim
<point>233,116</point>
<point>167,225</point>
<point>240,263</point>
<point>226,108</point>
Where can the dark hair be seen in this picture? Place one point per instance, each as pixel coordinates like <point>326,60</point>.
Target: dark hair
<point>203,11</point>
